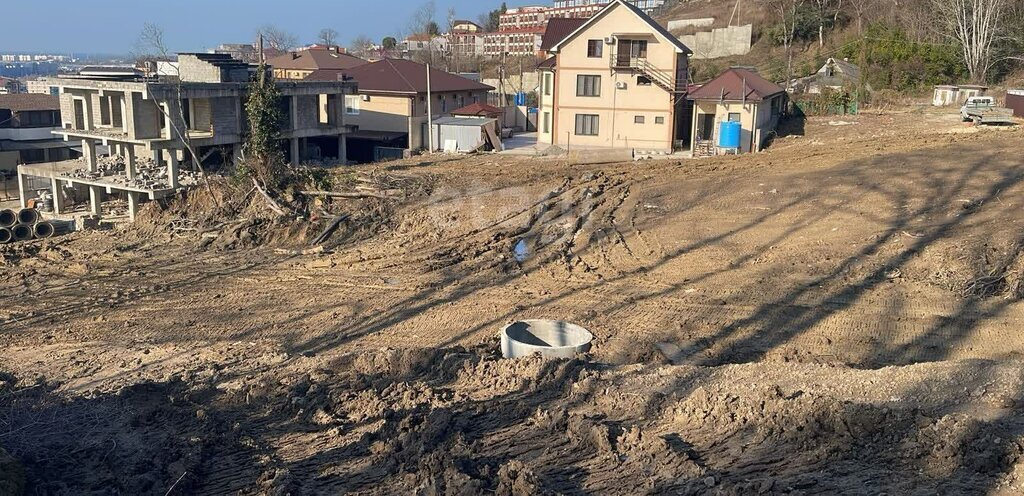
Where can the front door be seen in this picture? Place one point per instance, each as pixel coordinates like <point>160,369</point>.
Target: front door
<point>706,127</point>
<point>630,51</point>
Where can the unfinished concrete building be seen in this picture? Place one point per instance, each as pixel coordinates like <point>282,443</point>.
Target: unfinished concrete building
<point>133,130</point>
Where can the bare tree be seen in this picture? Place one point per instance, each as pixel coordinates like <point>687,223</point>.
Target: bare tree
<point>823,6</point>
<point>422,18</point>
<point>361,46</point>
<point>860,9</point>
<point>151,40</point>
<point>150,43</point>
<point>277,38</point>
<point>328,36</point>
<point>975,25</point>
<point>788,11</point>
<point>451,58</point>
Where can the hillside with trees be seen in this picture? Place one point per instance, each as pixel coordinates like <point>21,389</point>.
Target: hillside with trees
<point>902,45</point>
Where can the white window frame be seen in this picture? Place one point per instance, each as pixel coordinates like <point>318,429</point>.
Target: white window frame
<point>352,109</point>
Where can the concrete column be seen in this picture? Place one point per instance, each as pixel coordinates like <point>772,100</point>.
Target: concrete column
<point>128,110</point>
<point>295,151</point>
<point>87,109</point>
<point>89,151</point>
<point>58,196</point>
<point>125,98</point>
<point>96,200</point>
<point>133,204</point>
<point>158,158</point>
<point>22,188</point>
<point>343,149</point>
<point>131,167</point>
<point>295,112</point>
<point>172,170</point>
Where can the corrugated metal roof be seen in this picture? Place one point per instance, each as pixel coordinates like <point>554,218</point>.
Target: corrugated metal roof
<point>478,110</point>
<point>462,121</point>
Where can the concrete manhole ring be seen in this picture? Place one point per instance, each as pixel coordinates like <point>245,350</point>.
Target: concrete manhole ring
<point>550,338</point>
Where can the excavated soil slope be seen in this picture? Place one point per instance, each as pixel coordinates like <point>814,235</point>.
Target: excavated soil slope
<point>838,314</point>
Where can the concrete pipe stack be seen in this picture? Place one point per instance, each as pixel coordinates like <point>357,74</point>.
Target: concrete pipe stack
<point>27,224</point>
<point>8,219</point>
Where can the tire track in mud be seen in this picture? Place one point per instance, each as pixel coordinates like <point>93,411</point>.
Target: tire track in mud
<point>135,283</point>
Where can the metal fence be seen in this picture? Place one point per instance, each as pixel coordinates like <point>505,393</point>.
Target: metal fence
<point>9,185</point>
<point>811,105</point>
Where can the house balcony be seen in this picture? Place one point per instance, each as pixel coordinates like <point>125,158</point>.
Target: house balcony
<point>638,64</point>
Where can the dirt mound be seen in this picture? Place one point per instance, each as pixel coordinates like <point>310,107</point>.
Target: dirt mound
<point>463,420</point>
<point>231,213</point>
<point>12,475</point>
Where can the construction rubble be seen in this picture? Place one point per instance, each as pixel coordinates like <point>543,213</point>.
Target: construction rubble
<point>148,174</point>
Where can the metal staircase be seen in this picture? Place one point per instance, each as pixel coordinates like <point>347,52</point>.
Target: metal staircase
<point>658,77</point>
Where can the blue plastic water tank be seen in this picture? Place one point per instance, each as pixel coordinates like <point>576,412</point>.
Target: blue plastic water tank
<point>729,135</point>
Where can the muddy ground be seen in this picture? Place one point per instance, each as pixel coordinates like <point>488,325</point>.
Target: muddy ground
<point>838,314</point>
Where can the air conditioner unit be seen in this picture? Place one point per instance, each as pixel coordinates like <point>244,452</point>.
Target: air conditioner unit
<point>609,40</point>
<point>366,98</point>
<point>620,85</point>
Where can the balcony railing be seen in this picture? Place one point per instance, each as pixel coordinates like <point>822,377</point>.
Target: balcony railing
<point>627,61</point>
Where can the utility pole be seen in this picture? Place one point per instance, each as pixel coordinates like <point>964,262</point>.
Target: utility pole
<point>501,86</point>
<point>430,114</point>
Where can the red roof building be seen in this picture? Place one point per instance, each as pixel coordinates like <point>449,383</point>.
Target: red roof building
<point>300,64</point>
<point>479,110</point>
<point>737,85</point>
<point>739,99</point>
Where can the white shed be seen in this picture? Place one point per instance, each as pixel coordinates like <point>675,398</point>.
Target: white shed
<point>465,134</point>
<point>945,94</point>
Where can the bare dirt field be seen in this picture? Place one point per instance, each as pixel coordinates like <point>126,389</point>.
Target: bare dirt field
<point>839,314</point>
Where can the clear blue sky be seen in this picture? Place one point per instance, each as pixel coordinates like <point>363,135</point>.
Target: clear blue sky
<point>112,26</point>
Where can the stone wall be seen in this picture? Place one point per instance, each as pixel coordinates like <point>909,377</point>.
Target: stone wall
<point>720,42</point>
<point>686,23</point>
<point>190,68</point>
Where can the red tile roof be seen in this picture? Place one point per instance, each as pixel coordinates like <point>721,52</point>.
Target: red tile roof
<point>737,84</point>
<point>558,28</point>
<point>325,75</point>
<point>406,76</point>
<point>315,58</point>
<point>479,109</point>
<point>27,102</point>
<point>669,37</point>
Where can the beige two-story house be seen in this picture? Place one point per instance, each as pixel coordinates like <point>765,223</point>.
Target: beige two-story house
<point>390,110</point>
<point>617,81</point>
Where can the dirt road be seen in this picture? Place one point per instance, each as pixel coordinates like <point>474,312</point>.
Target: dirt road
<point>780,284</point>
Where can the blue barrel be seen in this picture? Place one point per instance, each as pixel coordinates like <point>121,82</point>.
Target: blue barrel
<point>729,135</point>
